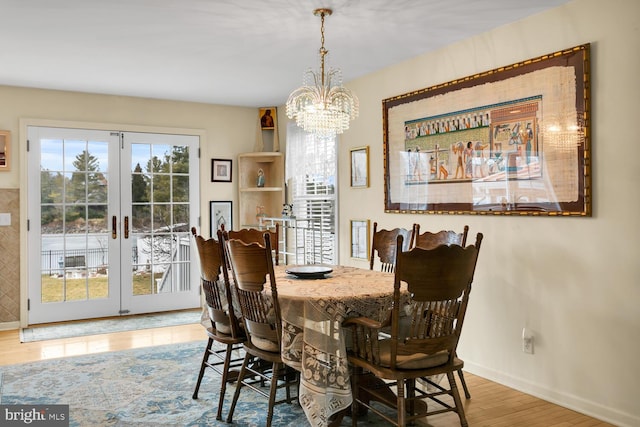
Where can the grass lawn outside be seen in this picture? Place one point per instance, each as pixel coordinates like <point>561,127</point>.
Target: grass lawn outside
<point>58,289</point>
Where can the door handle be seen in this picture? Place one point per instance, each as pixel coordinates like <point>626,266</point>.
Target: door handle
<point>114,227</point>
<point>126,227</point>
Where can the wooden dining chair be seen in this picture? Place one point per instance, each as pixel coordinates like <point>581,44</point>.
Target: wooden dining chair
<point>438,282</point>
<point>251,264</point>
<point>250,235</point>
<point>225,327</point>
<point>429,240</point>
<point>383,246</point>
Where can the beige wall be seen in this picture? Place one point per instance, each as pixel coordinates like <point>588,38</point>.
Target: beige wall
<point>225,132</point>
<point>574,281</point>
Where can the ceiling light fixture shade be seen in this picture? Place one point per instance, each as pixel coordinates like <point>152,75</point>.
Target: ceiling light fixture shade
<point>322,105</point>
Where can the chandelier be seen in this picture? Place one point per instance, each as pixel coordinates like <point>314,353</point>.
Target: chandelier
<point>322,105</point>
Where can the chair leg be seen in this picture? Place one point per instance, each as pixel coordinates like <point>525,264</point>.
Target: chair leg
<point>456,399</point>
<point>239,385</point>
<point>225,379</point>
<point>464,384</point>
<point>355,387</point>
<point>272,392</point>
<point>205,359</point>
<point>402,410</point>
<point>411,394</point>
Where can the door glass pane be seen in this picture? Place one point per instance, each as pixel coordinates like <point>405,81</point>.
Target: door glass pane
<point>180,159</point>
<point>140,186</point>
<point>160,218</point>
<point>180,187</point>
<point>181,217</point>
<point>72,151</point>
<point>51,187</point>
<point>161,188</point>
<point>74,222</point>
<point>51,154</point>
<point>141,219</point>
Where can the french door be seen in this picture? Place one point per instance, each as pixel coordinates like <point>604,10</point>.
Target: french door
<point>109,216</point>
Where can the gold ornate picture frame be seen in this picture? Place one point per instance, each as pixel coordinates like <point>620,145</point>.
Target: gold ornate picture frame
<point>360,167</point>
<point>5,150</point>
<point>511,141</point>
<point>268,117</point>
<point>360,229</point>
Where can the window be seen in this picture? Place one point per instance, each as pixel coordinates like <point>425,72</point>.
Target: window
<point>311,179</point>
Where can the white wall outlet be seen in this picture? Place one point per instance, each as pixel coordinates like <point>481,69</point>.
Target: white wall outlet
<point>527,341</point>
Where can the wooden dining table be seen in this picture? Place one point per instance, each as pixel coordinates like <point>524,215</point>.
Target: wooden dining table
<point>313,340</point>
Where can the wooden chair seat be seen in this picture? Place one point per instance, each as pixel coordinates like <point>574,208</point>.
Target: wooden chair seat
<point>413,360</point>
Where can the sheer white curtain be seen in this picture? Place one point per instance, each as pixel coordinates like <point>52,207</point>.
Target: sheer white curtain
<point>311,175</point>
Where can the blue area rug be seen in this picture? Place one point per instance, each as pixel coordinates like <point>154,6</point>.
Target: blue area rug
<point>104,326</point>
<point>141,387</point>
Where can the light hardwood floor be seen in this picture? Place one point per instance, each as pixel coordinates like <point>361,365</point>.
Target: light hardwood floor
<point>491,404</point>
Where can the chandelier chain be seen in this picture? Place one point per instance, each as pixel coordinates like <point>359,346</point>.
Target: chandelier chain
<point>323,51</point>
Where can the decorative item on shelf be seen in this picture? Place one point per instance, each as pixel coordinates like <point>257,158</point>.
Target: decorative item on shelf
<point>260,213</point>
<point>322,105</point>
<point>267,118</point>
<point>267,130</point>
<point>287,210</point>
<point>260,180</point>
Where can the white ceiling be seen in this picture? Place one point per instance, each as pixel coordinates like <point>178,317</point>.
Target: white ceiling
<point>243,52</point>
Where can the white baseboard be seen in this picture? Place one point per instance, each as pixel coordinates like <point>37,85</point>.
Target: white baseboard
<point>575,403</point>
<point>7,326</point>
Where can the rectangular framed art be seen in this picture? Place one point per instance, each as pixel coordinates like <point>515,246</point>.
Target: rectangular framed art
<point>220,170</point>
<point>5,144</point>
<point>360,238</point>
<point>511,141</point>
<point>220,213</point>
<point>268,117</point>
<point>360,167</point>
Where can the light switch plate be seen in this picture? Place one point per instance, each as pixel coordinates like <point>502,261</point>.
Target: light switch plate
<point>5,219</point>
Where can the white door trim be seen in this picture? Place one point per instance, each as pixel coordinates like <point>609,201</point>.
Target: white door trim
<point>23,160</point>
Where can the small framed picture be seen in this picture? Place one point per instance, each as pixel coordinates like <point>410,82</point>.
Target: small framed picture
<point>267,117</point>
<point>5,143</point>
<point>220,170</point>
<point>360,238</point>
<point>220,213</point>
<point>360,167</point>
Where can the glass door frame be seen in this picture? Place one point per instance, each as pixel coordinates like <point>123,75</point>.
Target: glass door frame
<point>40,312</point>
<point>135,304</point>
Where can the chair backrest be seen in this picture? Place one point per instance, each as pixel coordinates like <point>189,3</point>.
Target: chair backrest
<point>438,282</point>
<point>429,240</point>
<point>251,235</point>
<point>383,243</point>
<point>251,265</point>
<point>217,292</point>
